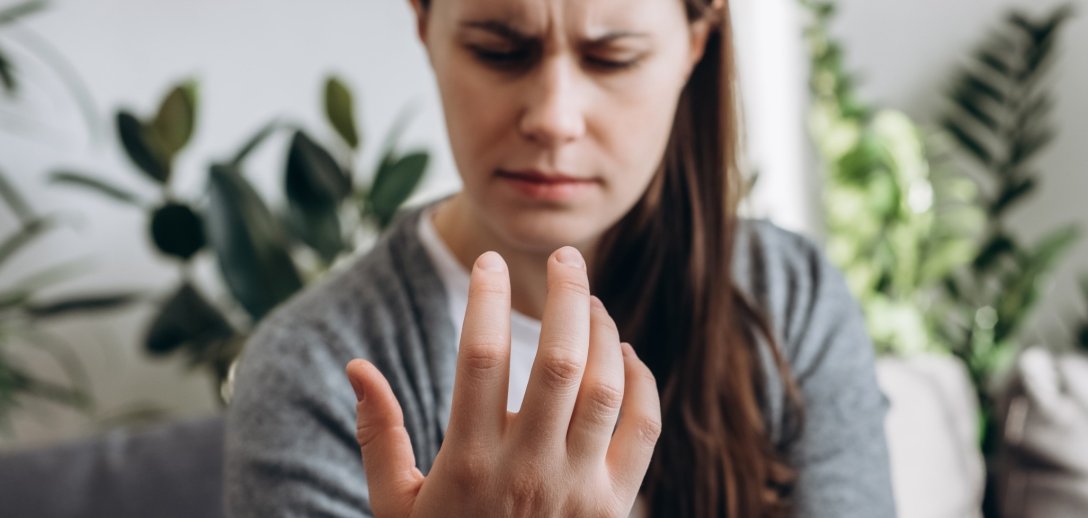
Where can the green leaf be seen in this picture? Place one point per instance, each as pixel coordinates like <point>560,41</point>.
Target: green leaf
<point>1014,193</point>
<point>339,109</point>
<point>15,200</point>
<point>980,114</point>
<point>49,276</point>
<point>185,318</point>
<point>176,119</point>
<point>394,183</point>
<point>952,287</point>
<point>315,186</point>
<point>319,229</point>
<point>1035,108</point>
<point>314,180</point>
<point>980,86</point>
<point>177,231</point>
<point>1082,338</point>
<point>1053,246</point>
<point>142,149</point>
<point>17,11</point>
<point>968,142</point>
<point>1018,19</point>
<point>249,244</point>
<point>1022,287</point>
<point>94,184</point>
<point>998,246</point>
<point>254,141</point>
<point>23,237</point>
<point>1028,145</point>
<point>1037,61</point>
<point>994,61</point>
<point>81,305</point>
<point>7,74</point>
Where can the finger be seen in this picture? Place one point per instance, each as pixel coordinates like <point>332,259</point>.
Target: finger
<point>639,424</point>
<point>601,393</point>
<point>483,359</point>
<point>561,353</point>
<point>388,459</point>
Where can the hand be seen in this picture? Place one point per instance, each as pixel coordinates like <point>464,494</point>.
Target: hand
<point>562,454</point>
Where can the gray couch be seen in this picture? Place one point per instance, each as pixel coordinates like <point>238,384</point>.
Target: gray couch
<point>172,470</point>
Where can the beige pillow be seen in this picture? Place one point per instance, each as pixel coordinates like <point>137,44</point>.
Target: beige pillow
<point>1043,463</point>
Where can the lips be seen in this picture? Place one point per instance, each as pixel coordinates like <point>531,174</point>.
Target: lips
<point>547,186</point>
<point>543,177</point>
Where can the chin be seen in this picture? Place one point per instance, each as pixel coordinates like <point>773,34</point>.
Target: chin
<point>545,231</point>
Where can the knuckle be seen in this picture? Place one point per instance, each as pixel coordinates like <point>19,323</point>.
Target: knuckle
<point>648,430</point>
<point>561,372</point>
<point>469,470</point>
<point>645,376</point>
<point>481,358</point>
<point>605,321</point>
<point>486,288</point>
<point>367,432</point>
<point>571,284</point>
<point>603,402</point>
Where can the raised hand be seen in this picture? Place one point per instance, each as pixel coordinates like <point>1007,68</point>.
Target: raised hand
<point>563,454</point>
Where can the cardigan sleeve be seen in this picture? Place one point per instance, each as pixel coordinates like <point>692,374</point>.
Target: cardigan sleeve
<point>840,455</point>
<point>290,446</point>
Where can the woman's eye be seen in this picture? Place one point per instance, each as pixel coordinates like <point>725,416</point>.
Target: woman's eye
<point>503,58</point>
<point>613,64</point>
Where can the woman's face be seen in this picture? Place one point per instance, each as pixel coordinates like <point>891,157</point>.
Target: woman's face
<point>558,111</point>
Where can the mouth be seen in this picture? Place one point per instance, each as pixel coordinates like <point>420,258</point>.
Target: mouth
<point>547,185</point>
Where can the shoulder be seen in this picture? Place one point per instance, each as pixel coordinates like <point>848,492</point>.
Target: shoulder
<point>349,312</point>
<point>790,279</point>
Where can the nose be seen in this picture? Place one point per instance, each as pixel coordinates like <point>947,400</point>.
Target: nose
<point>552,114</point>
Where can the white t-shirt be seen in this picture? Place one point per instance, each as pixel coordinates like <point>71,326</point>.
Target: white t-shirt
<point>524,330</point>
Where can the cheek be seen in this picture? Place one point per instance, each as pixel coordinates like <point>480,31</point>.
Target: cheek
<point>476,116</point>
<point>636,120</point>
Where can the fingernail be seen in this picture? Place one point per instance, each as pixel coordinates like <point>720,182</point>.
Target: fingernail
<point>491,262</point>
<point>356,386</point>
<point>360,394</point>
<point>570,256</point>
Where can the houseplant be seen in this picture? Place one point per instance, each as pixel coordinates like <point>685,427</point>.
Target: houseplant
<point>264,254</point>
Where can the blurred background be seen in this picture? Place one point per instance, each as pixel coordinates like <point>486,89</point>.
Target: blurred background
<point>170,171</point>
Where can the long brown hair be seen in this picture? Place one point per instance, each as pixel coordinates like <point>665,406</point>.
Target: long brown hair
<point>665,273</point>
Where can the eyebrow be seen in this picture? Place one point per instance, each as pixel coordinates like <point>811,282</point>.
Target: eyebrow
<point>507,31</point>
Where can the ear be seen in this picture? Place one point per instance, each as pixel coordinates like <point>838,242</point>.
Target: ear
<point>700,32</point>
<point>421,19</point>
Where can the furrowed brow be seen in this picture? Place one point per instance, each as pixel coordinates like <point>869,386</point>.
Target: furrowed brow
<point>496,27</point>
<point>614,36</point>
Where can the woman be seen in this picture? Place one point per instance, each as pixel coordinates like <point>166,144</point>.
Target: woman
<point>596,143</point>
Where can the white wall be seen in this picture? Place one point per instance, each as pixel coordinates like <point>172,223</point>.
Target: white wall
<point>906,52</point>
<point>255,59</point>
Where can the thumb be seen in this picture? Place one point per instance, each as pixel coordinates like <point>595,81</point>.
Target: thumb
<point>388,459</point>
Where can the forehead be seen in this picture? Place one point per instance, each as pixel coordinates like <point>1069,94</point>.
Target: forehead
<point>574,17</point>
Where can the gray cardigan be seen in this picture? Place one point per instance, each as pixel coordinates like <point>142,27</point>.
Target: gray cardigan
<point>290,444</point>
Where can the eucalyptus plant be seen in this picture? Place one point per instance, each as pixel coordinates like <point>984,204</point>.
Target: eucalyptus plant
<point>264,254</point>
